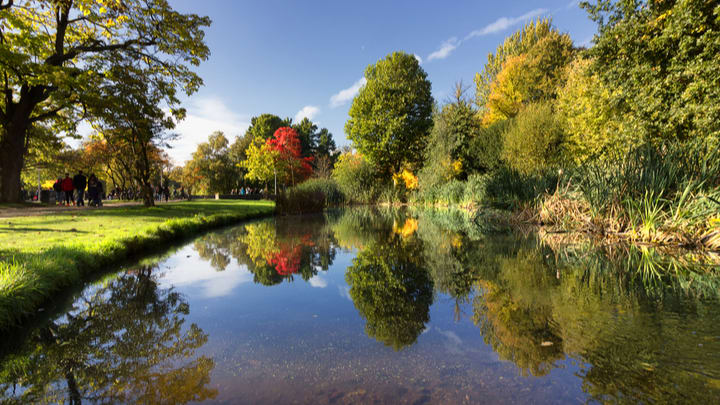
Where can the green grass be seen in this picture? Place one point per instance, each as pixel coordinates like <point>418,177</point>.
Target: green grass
<point>42,255</point>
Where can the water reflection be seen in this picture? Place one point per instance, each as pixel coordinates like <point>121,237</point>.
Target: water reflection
<point>632,324</point>
<point>124,342</point>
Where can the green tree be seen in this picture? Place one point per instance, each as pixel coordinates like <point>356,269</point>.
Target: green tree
<point>127,112</point>
<point>265,125</point>
<point>446,153</point>
<point>53,53</point>
<point>590,119</point>
<point>530,76</point>
<point>308,136</point>
<point>662,57</point>
<point>518,43</point>
<point>215,167</point>
<point>261,162</point>
<point>390,118</point>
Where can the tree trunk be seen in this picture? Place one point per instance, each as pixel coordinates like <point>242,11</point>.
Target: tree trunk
<point>12,155</point>
<point>148,195</point>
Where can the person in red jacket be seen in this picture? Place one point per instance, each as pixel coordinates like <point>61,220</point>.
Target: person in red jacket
<point>67,188</point>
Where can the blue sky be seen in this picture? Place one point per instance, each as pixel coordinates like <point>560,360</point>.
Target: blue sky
<point>294,58</point>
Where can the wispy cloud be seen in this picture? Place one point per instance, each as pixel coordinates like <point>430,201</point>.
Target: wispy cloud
<point>573,4</point>
<point>504,23</point>
<point>419,59</point>
<point>309,111</point>
<point>345,95</point>
<point>205,116</point>
<point>445,49</point>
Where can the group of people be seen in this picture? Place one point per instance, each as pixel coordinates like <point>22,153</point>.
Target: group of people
<point>71,191</point>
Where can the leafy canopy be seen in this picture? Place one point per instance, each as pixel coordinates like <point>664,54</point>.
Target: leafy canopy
<point>390,117</point>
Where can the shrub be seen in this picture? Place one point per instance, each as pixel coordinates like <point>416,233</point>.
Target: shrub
<point>355,178</point>
<point>532,141</point>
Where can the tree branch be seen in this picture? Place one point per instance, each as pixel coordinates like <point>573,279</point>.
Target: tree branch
<point>6,5</point>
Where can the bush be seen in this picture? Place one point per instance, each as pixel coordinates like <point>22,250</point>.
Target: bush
<point>532,140</point>
<point>484,150</point>
<point>355,178</point>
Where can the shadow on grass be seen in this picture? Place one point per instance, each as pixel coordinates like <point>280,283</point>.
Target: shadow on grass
<point>13,229</point>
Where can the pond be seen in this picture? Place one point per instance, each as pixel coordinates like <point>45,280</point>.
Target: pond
<point>380,306</point>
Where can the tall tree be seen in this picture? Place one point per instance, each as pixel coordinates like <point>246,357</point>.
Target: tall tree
<point>390,118</point>
<point>308,136</point>
<point>52,53</point>
<point>290,161</point>
<point>215,168</point>
<point>532,74</point>
<point>265,125</point>
<point>127,112</point>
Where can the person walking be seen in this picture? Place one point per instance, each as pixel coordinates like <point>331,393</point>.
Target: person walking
<point>79,182</point>
<point>67,188</point>
<point>93,192</point>
<point>57,186</point>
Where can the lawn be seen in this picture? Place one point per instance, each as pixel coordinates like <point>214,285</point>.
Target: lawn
<point>40,255</point>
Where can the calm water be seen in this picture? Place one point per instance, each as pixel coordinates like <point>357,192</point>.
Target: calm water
<point>363,306</point>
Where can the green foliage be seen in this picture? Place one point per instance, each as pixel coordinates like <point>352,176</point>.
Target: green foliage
<point>483,152</point>
<point>533,59</point>
<point>260,162</point>
<point>665,172</point>
<point>662,57</point>
<point>593,125</point>
<point>55,63</point>
<point>264,126</point>
<point>390,118</point>
<point>355,177</point>
<point>533,140</point>
<point>447,152</point>
<point>214,165</point>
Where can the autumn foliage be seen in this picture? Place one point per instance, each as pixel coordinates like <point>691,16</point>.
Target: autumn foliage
<point>286,143</point>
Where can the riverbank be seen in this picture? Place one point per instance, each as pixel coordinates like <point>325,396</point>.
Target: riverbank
<point>43,254</point>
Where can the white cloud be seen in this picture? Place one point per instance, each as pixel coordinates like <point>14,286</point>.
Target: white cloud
<point>309,111</point>
<point>573,4</point>
<point>317,281</point>
<point>205,116</point>
<point>343,96</point>
<point>504,23</point>
<point>419,59</point>
<point>445,49</point>
<point>188,270</point>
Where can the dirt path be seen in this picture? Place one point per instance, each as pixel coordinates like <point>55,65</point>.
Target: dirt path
<point>6,212</point>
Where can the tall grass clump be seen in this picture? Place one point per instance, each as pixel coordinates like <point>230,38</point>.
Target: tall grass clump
<point>313,195</point>
<point>666,193</point>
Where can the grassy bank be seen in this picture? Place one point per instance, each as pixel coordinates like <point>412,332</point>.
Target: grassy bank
<point>41,255</point>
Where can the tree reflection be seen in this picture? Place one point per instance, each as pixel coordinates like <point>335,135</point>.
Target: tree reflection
<point>273,250</point>
<point>124,341</point>
<point>391,290</point>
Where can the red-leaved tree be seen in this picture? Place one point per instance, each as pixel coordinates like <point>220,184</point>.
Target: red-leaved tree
<point>286,142</point>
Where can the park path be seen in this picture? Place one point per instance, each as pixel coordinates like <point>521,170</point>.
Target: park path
<point>6,212</point>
